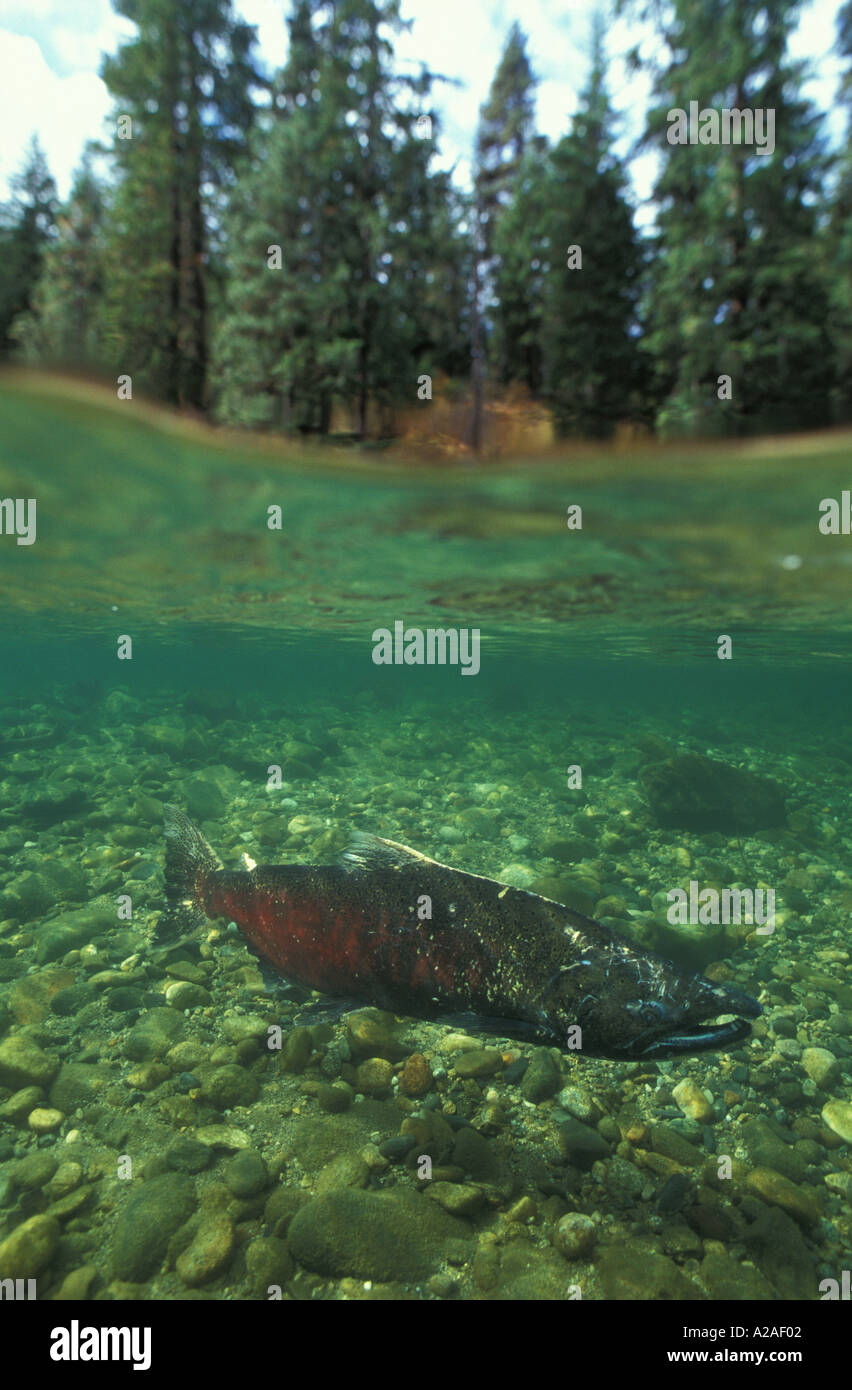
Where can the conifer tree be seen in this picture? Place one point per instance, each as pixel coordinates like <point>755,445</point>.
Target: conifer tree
<point>27,224</point>
<point>737,289</point>
<point>366,295</point>
<point>505,309</point>
<point>186,82</point>
<point>589,330</point>
<point>62,325</point>
<point>838,247</point>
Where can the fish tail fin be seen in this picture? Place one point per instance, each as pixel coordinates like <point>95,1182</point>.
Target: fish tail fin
<point>189,863</point>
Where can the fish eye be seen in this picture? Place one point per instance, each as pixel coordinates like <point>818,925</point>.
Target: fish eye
<point>651,1012</point>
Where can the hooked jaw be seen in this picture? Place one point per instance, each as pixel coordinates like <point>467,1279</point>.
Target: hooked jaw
<point>703,1026</point>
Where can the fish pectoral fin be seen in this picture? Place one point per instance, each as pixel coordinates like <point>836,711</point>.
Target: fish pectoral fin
<point>367,852</point>
<point>328,1008</point>
<point>496,1027</point>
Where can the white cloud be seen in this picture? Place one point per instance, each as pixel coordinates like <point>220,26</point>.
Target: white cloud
<point>50,54</point>
<point>269,18</point>
<point>63,111</point>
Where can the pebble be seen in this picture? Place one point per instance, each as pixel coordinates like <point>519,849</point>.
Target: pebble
<point>821,1066</point>
<point>396,1149</point>
<point>840,1182</point>
<point>375,1161</point>
<point>148,1076</point>
<point>226,1087</point>
<point>767,1149</point>
<point>458,1198</point>
<point>542,1077</point>
<point>473,1154</point>
<point>297,1049</point>
<point>370,1235</point>
<point>78,1084</point>
<point>374,1076</point>
<point>269,1265</point>
<point>443,1286</point>
<point>517,875</point>
<point>209,1251</point>
<point>24,1063</point>
<point>246,1174</point>
<point>67,1177</point>
<point>344,1171</point>
<point>18,1106</point>
<point>186,1155</point>
<point>154,1034</point>
<point>149,1218</point>
<point>628,1272</point>
<point>483,1061</point>
<point>577,1102</point>
<point>32,1171</point>
<point>516,1070</point>
<point>580,1144</point>
<point>672,1194</point>
<point>622,1178</point>
<point>692,1101</point>
<point>334,1099</point>
<point>242,1027</point>
<point>75,1286</point>
<point>575,1235</point>
<point>374,1033</point>
<point>667,1141</point>
<point>415,1079</point>
<point>457,1042</point>
<point>303,825</point>
<point>184,995</point>
<point>524,1210</point>
<point>29,1248</point>
<point>780,1192</point>
<point>837,1114</point>
<point>44,1121</point>
<point>281,1206</point>
<point>222,1137</point>
<point>123,999</point>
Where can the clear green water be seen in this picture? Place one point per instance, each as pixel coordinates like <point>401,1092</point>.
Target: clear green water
<point>253,648</point>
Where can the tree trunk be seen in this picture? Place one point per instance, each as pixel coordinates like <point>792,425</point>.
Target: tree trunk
<point>476,364</point>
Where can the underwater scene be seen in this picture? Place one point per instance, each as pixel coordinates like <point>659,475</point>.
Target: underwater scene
<point>582,1030</point>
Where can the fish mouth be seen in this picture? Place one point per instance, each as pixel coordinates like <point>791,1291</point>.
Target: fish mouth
<point>725,1030</point>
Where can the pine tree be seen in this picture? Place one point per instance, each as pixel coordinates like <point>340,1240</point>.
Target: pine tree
<point>27,223</point>
<point>340,181</point>
<point>62,325</point>
<point>589,331</point>
<point>186,82</point>
<point>506,131</point>
<point>521,257</point>
<point>838,247</point>
<point>737,290</point>
<point>504,289</point>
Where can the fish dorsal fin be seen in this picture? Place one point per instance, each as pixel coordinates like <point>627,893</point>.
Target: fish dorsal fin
<point>371,852</point>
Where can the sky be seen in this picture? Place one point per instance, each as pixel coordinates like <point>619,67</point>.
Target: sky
<point>50,53</point>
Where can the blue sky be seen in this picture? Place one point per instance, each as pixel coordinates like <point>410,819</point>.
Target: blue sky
<point>50,54</point>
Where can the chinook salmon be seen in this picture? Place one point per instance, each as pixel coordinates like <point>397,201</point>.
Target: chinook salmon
<point>389,927</point>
